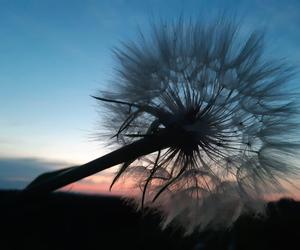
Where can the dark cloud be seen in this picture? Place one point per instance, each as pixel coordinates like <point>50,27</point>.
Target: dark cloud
<point>16,173</point>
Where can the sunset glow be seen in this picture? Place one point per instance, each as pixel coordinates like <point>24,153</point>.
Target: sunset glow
<point>55,55</point>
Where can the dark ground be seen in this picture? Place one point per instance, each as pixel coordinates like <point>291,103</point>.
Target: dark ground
<point>70,221</point>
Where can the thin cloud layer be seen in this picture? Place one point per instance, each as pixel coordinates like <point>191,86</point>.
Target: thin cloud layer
<point>16,173</point>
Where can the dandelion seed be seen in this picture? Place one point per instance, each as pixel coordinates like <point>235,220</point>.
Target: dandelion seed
<point>208,114</point>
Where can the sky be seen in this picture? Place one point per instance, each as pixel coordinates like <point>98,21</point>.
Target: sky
<point>56,54</point>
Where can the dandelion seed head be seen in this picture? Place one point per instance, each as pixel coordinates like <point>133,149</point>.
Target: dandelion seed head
<point>226,107</point>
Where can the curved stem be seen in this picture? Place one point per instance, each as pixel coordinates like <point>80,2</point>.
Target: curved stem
<point>51,181</point>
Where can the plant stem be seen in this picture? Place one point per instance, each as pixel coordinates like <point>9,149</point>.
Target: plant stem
<point>51,181</point>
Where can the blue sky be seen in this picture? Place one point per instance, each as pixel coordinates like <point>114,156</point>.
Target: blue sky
<point>55,54</point>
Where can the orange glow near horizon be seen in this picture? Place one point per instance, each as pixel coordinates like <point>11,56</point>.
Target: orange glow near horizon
<point>99,185</point>
<point>126,187</point>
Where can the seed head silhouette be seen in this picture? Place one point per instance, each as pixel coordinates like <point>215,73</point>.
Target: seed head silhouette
<point>206,122</point>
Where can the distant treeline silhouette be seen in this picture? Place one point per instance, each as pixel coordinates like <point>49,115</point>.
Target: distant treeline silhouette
<point>73,221</point>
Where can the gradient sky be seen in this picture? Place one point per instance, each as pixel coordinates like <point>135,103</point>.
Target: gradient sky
<point>55,54</point>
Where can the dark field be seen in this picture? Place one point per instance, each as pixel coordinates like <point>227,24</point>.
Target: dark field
<point>70,221</point>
